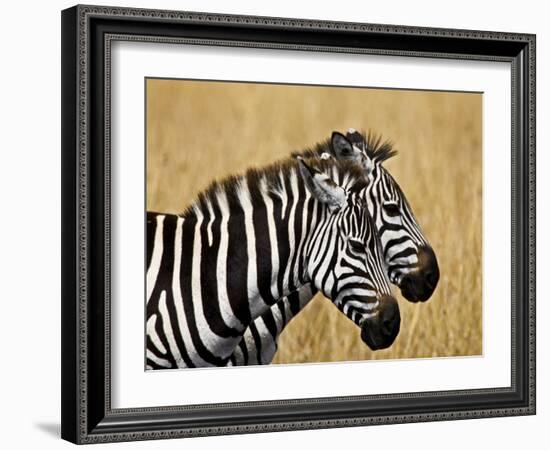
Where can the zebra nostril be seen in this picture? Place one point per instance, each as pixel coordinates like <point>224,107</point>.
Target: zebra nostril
<point>391,319</point>
<point>429,267</point>
<point>379,331</point>
<point>430,279</point>
<point>405,281</point>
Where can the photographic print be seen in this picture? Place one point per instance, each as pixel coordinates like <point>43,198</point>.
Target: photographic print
<point>297,199</point>
<point>310,224</point>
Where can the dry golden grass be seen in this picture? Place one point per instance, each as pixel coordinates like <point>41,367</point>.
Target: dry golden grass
<point>200,131</point>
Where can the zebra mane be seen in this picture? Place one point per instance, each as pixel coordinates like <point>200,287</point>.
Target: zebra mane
<point>271,174</point>
<point>377,148</point>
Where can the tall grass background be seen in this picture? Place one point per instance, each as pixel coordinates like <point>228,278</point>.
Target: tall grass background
<point>201,131</point>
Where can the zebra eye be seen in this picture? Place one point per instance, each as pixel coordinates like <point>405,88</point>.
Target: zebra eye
<point>357,246</point>
<point>391,209</point>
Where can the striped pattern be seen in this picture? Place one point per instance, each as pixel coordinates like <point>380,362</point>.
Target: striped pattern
<point>248,242</point>
<point>400,235</point>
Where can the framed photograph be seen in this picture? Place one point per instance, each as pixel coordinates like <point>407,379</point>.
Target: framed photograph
<point>281,224</point>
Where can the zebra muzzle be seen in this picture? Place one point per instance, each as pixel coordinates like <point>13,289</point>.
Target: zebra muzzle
<point>418,286</point>
<point>380,331</point>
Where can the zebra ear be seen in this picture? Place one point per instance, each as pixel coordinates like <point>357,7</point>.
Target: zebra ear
<point>322,187</point>
<point>351,148</point>
<point>344,149</point>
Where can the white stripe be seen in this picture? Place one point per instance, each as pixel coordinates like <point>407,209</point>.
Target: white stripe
<point>306,221</point>
<point>356,264</point>
<point>335,175</point>
<point>250,349</point>
<point>291,231</point>
<point>239,357</point>
<point>218,346</point>
<point>389,235</point>
<point>277,316</point>
<point>256,303</point>
<point>393,220</point>
<point>156,258</point>
<point>365,291</point>
<point>268,348</point>
<point>305,295</point>
<point>168,332</point>
<point>209,226</point>
<point>282,194</point>
<point>354,292</point>
<point>322,240</point>
<point>158,361</point>
<point>312,227</point>
<point>394,249</point>
<point>272,232</point>
<point>363,305</point>
<point>178,301</point>
<point>357,279</point>
<point>288,312</point>
<point>346,180</point>
<point>324,265</point>
<point>355,311</point>
<point>403,261</point>
<point>152,333</point>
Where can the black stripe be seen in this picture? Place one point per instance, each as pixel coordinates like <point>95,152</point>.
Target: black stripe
<point>164,283</point>
<point>281,307</point>
<point>263,248</point>
<point>298,238</point>
<point>186,293</point>
<point>237,265</point>
<point>156,366</point>
<point>270,324</point>
<point>323,252</point>
<point>403,266</point>
<point>257,342</point>
<point>389,227</point>
<point>209,284</point>
<point>362,298</point>
<point>393,242</point>
<point>301,269</point>
<point>172,316</point>
<point>357,285</point>
<point>153,349</point>
<point>282,238</point>
<point>356,271</point>
<point>244,350</point>
<point>164,278</point>
<point>403,254</point>
<point>151,230</point>
<point>294,302</point>
<point>160,332</point>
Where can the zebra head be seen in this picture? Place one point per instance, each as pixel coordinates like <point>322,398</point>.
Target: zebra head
<point>344,260</point>
<point>410,261</point>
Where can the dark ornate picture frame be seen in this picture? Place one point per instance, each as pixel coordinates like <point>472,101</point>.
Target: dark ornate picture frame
<point>87,34</point>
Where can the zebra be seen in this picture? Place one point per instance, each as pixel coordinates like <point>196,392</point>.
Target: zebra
<point>409,259</point>
<point>250,240</point>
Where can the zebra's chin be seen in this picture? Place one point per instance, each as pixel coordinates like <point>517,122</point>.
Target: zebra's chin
<point>380,330</point>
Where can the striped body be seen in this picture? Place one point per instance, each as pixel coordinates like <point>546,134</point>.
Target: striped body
<point>250,241</point>
<point>403,243</point>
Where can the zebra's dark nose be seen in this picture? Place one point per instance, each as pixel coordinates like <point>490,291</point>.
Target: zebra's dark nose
<point>431,279</point>
<point>418,286</point>
<point>379,331</point>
